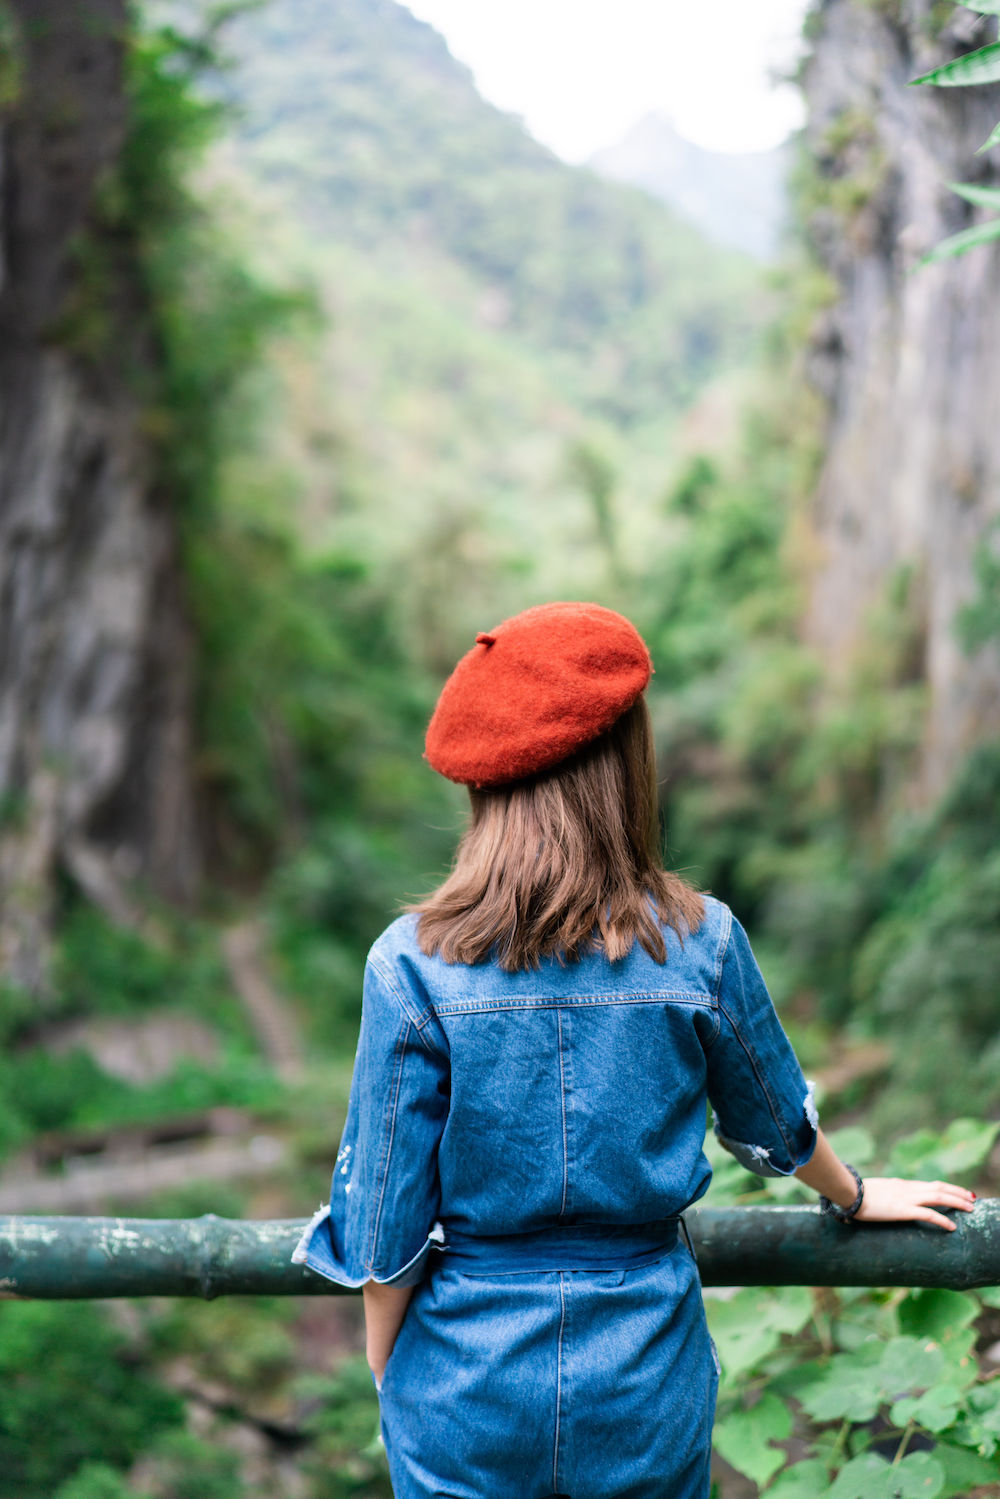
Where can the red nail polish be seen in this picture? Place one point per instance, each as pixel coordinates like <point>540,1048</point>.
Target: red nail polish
<point>973,1196</point>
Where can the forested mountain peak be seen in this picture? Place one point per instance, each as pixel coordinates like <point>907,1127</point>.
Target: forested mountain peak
<point>375,137</point>
<point>737,197</point>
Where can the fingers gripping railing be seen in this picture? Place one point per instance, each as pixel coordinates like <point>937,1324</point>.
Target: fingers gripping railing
<point>75,1258</point>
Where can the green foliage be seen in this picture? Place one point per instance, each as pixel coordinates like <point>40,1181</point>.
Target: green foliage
<point>404,161</point>
<point>874,1477</point>
<point>991,140</point>
<point>929,957</point>
<point>67,1373</point>
<point>11,59</point>
<point>845,170</point>
<point>210,315</point>
<point>745,1438</point>
<point>506,345</point>
<point>184,1466</point>
<point>70,1091</point>
<point>961,1147</point>
<point>100,970</point>
<point>347,1458</point>
<point>963,241</point>
<point>855,1381</point>
<point>978,67</point>
<point>790,797</point>
<point>95,1481</point>
<point>103,969</point>
<point>979,621</point>
<point>241,1344</point>
<point>749,1325</point>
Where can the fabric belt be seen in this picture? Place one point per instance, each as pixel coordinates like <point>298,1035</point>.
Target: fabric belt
<point>583,1246</point>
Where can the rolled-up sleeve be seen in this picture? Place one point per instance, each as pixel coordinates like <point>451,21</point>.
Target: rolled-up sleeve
<point>380,1223</point>
<point>763,1106</point>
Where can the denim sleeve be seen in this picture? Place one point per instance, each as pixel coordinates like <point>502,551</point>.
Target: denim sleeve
<point>763,1107</point>
<point>384,1198</point>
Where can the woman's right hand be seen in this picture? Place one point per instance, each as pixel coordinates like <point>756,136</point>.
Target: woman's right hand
<point>893,1199</point>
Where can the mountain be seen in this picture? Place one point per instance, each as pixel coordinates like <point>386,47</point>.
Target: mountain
<point>736,198</point>
<point>374,137</point>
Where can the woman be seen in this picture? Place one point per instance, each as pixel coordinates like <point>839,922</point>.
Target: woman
<point>538,1041</point>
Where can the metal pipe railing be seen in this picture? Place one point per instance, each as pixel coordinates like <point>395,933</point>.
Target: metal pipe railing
<point>76,1258</point>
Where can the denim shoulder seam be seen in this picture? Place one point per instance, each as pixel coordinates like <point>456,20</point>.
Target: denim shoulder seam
<point>389,1131</point>
<point>417,1019</point>
<point>722,951</point>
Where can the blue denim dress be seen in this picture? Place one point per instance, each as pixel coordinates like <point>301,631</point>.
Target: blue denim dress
<point>519,1148</point>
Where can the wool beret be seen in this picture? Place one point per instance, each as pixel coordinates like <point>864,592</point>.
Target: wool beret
<point>534,690</point>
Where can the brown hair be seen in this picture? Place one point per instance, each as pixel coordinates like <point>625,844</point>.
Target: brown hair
<point>564,862</point>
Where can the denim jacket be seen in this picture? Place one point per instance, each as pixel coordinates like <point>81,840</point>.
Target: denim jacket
<point>501,1103</point>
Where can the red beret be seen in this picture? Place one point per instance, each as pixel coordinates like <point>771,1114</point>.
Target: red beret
<point>533,691</point>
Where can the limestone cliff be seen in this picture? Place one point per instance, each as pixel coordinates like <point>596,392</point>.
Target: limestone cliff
<point>94,652</point>
<point>909,359</point>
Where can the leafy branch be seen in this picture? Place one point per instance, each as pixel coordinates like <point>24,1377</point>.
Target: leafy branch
<point>980,66</point>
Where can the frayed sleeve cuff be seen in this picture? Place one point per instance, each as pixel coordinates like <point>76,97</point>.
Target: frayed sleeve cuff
<point>317,1248</point>
<point>771,1160</point>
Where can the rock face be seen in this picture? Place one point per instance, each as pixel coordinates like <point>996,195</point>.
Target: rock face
<point>908,359</point>
<point>94,650</point>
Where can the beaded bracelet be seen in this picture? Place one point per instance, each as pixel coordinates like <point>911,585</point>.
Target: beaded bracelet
<point>833,1209</point>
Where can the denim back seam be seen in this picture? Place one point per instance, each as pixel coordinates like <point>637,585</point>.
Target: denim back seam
<point>388,1131</point>
<point>559,1364</point>
<point>748,1049</point>
<point>562,1098</point>
<point>762,1080</point>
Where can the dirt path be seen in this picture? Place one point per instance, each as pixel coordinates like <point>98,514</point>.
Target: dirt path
<point>272,1018</point>
<point>87,1187</point>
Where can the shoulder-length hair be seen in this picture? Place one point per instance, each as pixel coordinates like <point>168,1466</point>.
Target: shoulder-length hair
<point>564,862</point>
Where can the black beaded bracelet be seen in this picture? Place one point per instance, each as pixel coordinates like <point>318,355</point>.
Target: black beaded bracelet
<point>844,1215</point>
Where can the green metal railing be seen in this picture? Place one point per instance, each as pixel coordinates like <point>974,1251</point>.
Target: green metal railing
<point>75,1258</point>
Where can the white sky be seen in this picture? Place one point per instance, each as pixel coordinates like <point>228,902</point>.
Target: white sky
<point>581,72</point>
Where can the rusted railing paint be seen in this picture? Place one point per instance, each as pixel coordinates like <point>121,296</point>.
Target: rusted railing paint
<point>77,1258</point>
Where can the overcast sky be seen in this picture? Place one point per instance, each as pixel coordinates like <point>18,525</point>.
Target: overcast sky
<point>580,72</point>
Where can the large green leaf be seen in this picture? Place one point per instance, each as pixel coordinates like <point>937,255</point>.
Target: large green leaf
<point>944,1317</point>
<point>960,244</point>
<point>918,1476</point>
<point>855,1385</point>
<point>962,1470</point>
<point>979,1427</point>
<point>744,1438</point>
<point>966,1143</point>
<point>748,1326</point>
<point>981,66</point>
<point>933,1312</point>
<point>992,139</point>
<point>984,7</point>
<point>972,192</point>
<point>853,1142</point>
<point>805,1480</point>
<point>936,1409</point>
<point>850,1388</point>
